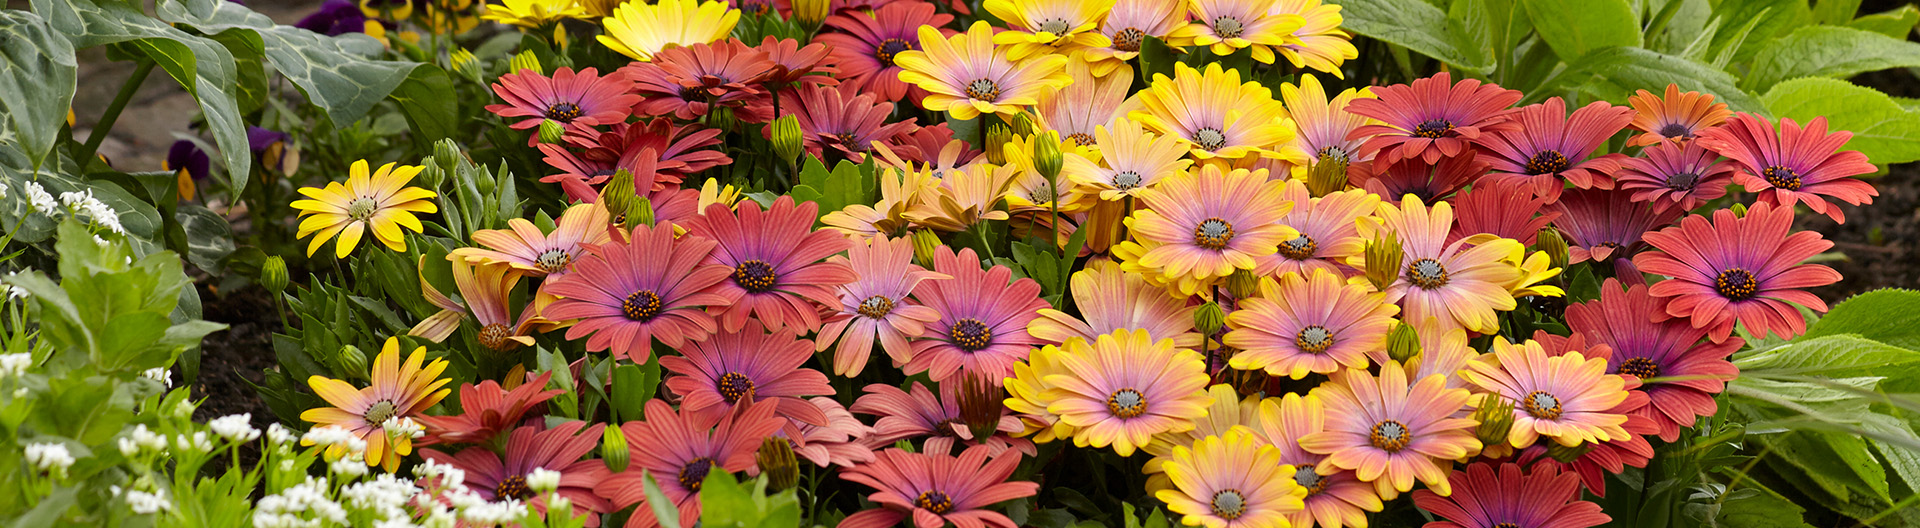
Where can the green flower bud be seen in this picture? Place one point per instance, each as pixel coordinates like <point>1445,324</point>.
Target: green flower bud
<point>447,153</point>
<point>1209,318</point>
<point>1046,156</point>
<point>1383,260</point>
<point>552,132</point>
<point>1551,242</point>
<point>613,449</point>
<point>1403,343</point>
<point>1022,125</point>
<point>1739,210</point>
<point>788,141</point>
<point>465,64</point>
<point>1566,455</point>
<point>352,362</point>
<point>721,118</point>
<point>1243,284</point>
<point>997,138</point>
<point>639,212</point>
<point>526,60</point>
<point>618,194</point>
<point>925,243</point>
<point>777,462</point>
<point>1496,419</point>
<point>1327,176</point>
<point>273,275</point>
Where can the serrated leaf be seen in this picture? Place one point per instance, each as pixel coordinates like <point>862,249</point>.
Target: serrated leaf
<point>1828,51</point>
<point>1830,355</point>
<point>1415,24</point>
<point>1883,130</point>
<point>1897,23</point>
<point>1574,28</point>
<point>1626,69</point>
<point>36,82</point>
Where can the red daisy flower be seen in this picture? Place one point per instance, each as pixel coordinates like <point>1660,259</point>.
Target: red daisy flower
<point>1538,498</point>
<point>678,451</point>
<point>865,52</point>
<point>684,82</point>
<point>794,65</point>
<point>625,294</point>
<point>677,151</point>
<point>1549,147</point>
<point>487,410</point>
<point>842,442</point>
<point>919,414</point>
<point>935,489</point>
<point>751,364</point>
<point>1503,207</point>
<point>932,146</point>
<point>1431,118</point>
<point>1739,269</point>
<point>1432,182</point>
<point>983,319</point>
<point>844,120</point>
<point>1603,225</point>
<point>1675,117</point>
<point>558,449</point>
<point>1644,343</point>
<point>1798,165</point>
<point>775,257</point>
<point>1686,175</point>
<point>585,98</point>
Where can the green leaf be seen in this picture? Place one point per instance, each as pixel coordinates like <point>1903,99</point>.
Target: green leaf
<point>1770,18</point>
<point>1828,51</point>
<point>1835,462</point>
<point>1830,355</point>
<point>426,98</point>
<point>1885,315</point>
<point>1626,69</point>
<point>1833,12</point>
<point>209,237</point>
<point>662,508</point>
<point>845,185</point>
<point>1883,130</point>
<point>1417,25</point>
<point>1574,28</point>
<point>1758,508</point>
<point>1897,23</point>
<point>1493,27</point>
<point>36,82</point>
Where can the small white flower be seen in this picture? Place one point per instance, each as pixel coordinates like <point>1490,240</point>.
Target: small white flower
<point>403,427</point>
<point>495,513</point>
<point>12,292</point>
<point>100,241</point>
<point>543,480</point>
<point>350,466</point>
<point>235,427</point>
<point>13,365</point>
<point>184,409</point>
<point>558,503</point>
<point>160,374</point>
<point>42,201</point>
<point>49,457</point>
<point>3,190</point>
<point>148,503</point>
<point>279,434</point>
<point>327,436</point>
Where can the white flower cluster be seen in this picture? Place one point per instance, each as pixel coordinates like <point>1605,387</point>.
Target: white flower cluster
<point>13,365</point>
<point>148,503</point>
<point>329,436</point>
<point>199,442</point>
<point>49,457</point>
<point>303,506</point>
<point>235,427</point>
<point>96,211</point>
<point>160,374</point>
<point>386,496</point>
<point>403,427</point>
<point>142,439</point>
<point>42,201</point>
<point>354,465</point>
<point>543,480</point>
<point>279,434</point>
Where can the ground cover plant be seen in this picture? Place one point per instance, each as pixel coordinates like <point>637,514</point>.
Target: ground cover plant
<point>1000,263</point>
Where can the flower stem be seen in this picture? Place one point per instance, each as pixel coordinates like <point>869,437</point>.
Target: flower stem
<point>105,125</point>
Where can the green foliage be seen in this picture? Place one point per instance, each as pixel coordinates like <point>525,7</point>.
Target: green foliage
<point>37,82</point>
<point>847,184</point>
<point>1417,25</point>
<point>1828,51</point>
<point>1574,28</point>
<point>110,310</point>
<point>726,503</point>
<point>1882,129</point>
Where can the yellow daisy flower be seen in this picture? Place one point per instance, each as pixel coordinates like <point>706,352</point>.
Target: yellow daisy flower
<point>965,197</point>
<point>533,14</point>
<point>1229,411</point>
<point>966,75</point>
<point>1128,26</point>
<point>1127,387</point>
<point>1027,395</point>
<point>399,391</point>
<point>1039,27</point>
<point>1318,43</point>
<point>1234,480</point>
<point>381,202</point>
<point>1228,26</point>
<point>1217,116</point>
<point>639,30</point>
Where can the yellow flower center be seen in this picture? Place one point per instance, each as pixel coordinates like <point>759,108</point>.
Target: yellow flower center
<point>1129,39</point>
<point>1314,339</point>
<point>1213,233</point>
<point>1542,405</point>
<point>495,336</point>
<point>1427,273</point>
<point>1640,367</point>
<point>1390,436</point>
<point>1229,504</point>
<point>362,208</point>
<point>641,305</point>
<point>733,386</point>
<point>513,487</point>
<point>755,276</point>
<point>1736,284</point>
<point>935,501</point>
<point>1782,177</point>
<point>1300,248</point>
<point>1127,403</point>
<point>970,334</point>
<point>984,90</point>
<point>877,306</point>
<point>1547,162</point>
<point>1433,128</point>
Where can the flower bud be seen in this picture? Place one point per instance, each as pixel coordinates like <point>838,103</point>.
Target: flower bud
<point>526,60</point>
<point>1554,245</point>
<point>1496,419</point>
<point>465,64</point>
<point>273,275</point>
<point>810,13</point>
<point>1209,318</point>
<point>777,462</point>
<point>1403,343</point>
<point>1243,284</point>
<point>639,212</point>
<point>447,153</point>
<point>1327,176</point>
<point>1739,210</point>
<point>980,405</point>
<point>352,362</point>
<point>788,141</point>
<point>925,243</point>
<point>1566,455</point>
<point>613,449</point>
<point>997,138</point>
<point>552,132</point>
<point>1022,125</point>
<point>721,118</point>
<point>1383,260</point>
<point>1046,156</point>
<point>618,193</point>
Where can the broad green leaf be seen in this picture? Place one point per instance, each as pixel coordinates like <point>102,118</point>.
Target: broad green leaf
<point>1574,28</point>
<point>209,236</point>
<point>1834,12</point>
<point>1757,508</point>
<point>845,185</point>
<point>1770,18</point>
<point>1493,27</point>
<point>37,71</point>
<point>1883,130</point>
<point>427,99</point>
<point>1628,69</point>
<point>1417,25</point>
<point>1831,355</point>
<point>1837,462</point>
<point>1897,23</point>
<point>1886,315</point>
<point>1828,51</point>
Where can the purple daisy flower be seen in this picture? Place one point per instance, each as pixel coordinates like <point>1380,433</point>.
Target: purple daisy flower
<point>1601,225</point>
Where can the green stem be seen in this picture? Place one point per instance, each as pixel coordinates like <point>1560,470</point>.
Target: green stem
<point>105,125</point>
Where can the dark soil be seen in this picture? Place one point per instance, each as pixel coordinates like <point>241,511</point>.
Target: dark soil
<point>230,360</point>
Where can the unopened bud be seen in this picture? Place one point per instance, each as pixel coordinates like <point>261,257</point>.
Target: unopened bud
<point>1555,246</point>
<point>465,64</point>
<point>1243,284</point>
<point>613,449</point>
<point>352,362</point>
<point>1327,176</point>
<point>1496,419</point>
<point>526,60</point>
<point>777,462</point>
<point>788,140</point>
<point>1566,455</point>
<point>639,212</point>
<point>1209,318</point>
<point>1022,125</point>
<point>273,275</point>
<point>925,243</point>
<point>1739,210</point>
<point>1403,343</point>
<point>980,405</point>
<point>618,193</point>
<point>552,132</point>
<point>997,138</point>
<point>721,117</point>
<point>1383,260</point>
<point>1046,156</point>
<point>810,13</point>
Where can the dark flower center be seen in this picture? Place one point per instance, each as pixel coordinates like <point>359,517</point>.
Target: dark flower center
<point>1433,128</point>
<point>1213,233</point>
<point>733,386</point>
<point>1126,180</point>
<point>1057,26</point>
<point>513,487</point>
<point>1306,477</point>
<point>1080,139</point>
<point>1299,248</point>
<point>1129,39</point>
<point>1314,339</point>
<point>970,334</point>
<point>641,305</point>
<point>846,140</point>
<point>1640,367</point>
<point>1127,403</point>
<point>984,89</point>
<point>890,48</point>
<point>1542,405</point>
<point>362,208</point>
<point>1736,284</point>
<point>1507,525</point>
<point>1682,181</point>
<point>692,93</point>
<point>1226,26</point>
<point>1547,162</point>
<point>754,275</point>
<point>1390,435</point>
<point>1427,273</point>
<point>695,472</point>
<point>1782,177</point>
<point>1229,504</point>
<point>1210,138</point>
<point>379,412</point>
<point>563,112</point>
<point>877,306</point>
<point>1334,153</point>
<point>935,501</point>
<point>1676,131</point>
<point>553,260</point>
<point>495,336</point>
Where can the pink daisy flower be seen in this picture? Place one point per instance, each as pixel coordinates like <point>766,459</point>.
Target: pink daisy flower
<point>919,414</point>
<point>679,450</point>
<point>1333,500</point>
<point>687,82</point>
<point>1569,398</point>
<point>866,50</point>
<point>675,151</point>
<point>935,489</point>
<point>1676,117</point>
<point>1431,182</point>
<point>751,364</point>
<point>559,449</point>
<point>1551,149</point>
<point>1794,164</point>
<point>1110,299</point>
<point>1606,458</point>
<point>1459,284</point>
<point>488,410</point>
<point>1390,432</point>
<point>1430,118</point>
<point>1686,175</point>
<point>1328,232</point>
<point>1313,324</point>
<point>626,294</point>
<point>841,442</point>
<point>585,98</point>
<point>1685,372</point>
<point>1605,225</point>
<point>1543,498</point>
<point>982,327</point>
<point>845,121</point>
<point>1739,270</point>
<point>1502,207</point>
<point>775,256</point>
<point>876,305</point>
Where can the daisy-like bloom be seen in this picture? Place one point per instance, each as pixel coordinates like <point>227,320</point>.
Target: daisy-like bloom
<point>627,293</point>
<point>487,410</point>
<point>1127,26</point>
<point>965,197</point>
<point>1443,351</point>
<point>1328,232</point>
<point>931,146</point>
<point>1217,116</point>
<point>400,391</point>
<point>1111,299</point>
<point>966,75</point>
<point>1605,458</point>
<point>1390,432</point>
<point>1204,224</point>
<point>1794,164</point>
<point>1308,324</point>
<point>1604,225</point>
<point>1038,27</point>
<point>876,306</point>
<point>678,450</point>
<point>1333,500</point>
<point>1429,182</point>
<point>688,82</point>
<point>379,201</point>
<point>1086,104</point>
<point>845,121</point>
<point>839,443</point>
<point>920,414</point>
<point>1680,372</point>
<point>1431,118</point>
<point>529,448</point>
<point>935,489</point>
<point>1031,191</point>
<point>537,254</point>
<point>1326,127</point>
<point>1567,398</point>
<point>1027,395</point>
<point>1125,387</point>
<point>1686,175</point>
<point>640,30</point>
<point>676,151</point>
<point>795,65</point>
<point>1483,498</point>
<point>530,14</point>
<point>1551,149</point>
<point>1131,160</point>
<point>867,45</point>
<point>1229,411</point>
<point>1677,117</point>
<point>1739,269</point>
<point>585,98</point>
<point>775,259</point>
<point>899,188</point>
<point>1318,43</point>
<point>751,364</point>
<point>485,288</point>
<point>1460,284</point>
<point>983,319</point>
<point>1231,481</point>
<point>1227,26</point>
<point>1502,207</point>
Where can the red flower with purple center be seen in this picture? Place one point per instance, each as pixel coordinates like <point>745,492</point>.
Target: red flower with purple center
<point>678,450</point>
<point>1431,118</point>
<point>1683,174</point>
<point>983,319</point>
<point>592,156</point>
<point>1432,182</point>
<point>1794,164</point>
<point>751,365</point>
<point>1503,207</point>
<point>1646,344</point>
<point>585,98</point>
<point>1602,225</point>
<point>775,257</point>
<point>1484,497</point>
<point>487,410</point>
<point>687,82</point>
<point>1738,269</point>
<point>935,489</point>
<point>844,120</point>
<point>625,294</point>
<point>1549,147</point>
<point>866,50</point>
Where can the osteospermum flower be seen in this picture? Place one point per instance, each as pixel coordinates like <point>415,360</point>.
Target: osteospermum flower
<point>935,489</point>
<point>1676,117</point>
<point>1231,481</point>
<point>1461,284</point>
<point>1125,387</point>
<point>1604,225</point>
<point>1325,126</point>
<point>674,150</point>
<point>486,289</point>
<point>1391,432</point>
<point>796,66</point>
<point>1217,115</point>
<point>876,306</point>
<point>919,413</point>
<point>1431,118</point>
<point>399,390</point>
<point>487,410</point>
<point>1333,500</point>
<point>640,30</point>
<point>379,201</point>
<point>1680,373</point>
<point>1127,26</point>
<point>966,76</point>
<point>751,364</point>
<point>844,120</point>
<point>1328,232</point>
<point>1685,175</point>
<point>1431,182</point>
<point>1606,458</point>
<point>1131,160</point>
<point>964,197</point>
<point>530,14</point>
<point>1567,398</point>
<point>627,293</point>
<point>1228,411</point>
<point>1512,497</point>
<point>1086,104</point>
<point>1794,164</point>
<point>867,45</point>
<point>1206,223</point>
<point>1031,191</point>
<point>1738,269</point>
<point>678,450</point>
<point>1502,207</point>
<point>983,319</point>
<point>1318,43</point>
<point>531,448</point>
<point>1027,395</point>
<point>1111,299</point>
<point>537,254</point>
<point>1308,324</point>
<point>1227,26</point>
<point>839,443</point>
<point>688,82</point>
<point>1551,149</point>
<point>1038,27</point>
<point>775,256</point>
<point>585,98</point>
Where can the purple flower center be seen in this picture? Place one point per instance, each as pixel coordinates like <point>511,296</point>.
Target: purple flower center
<point>1427,273</point>
<point>1542,405</point>
<point>1314,339</point>
<point>1213,233</point>
<point>1300,248</point>
<point>1782,177</point>
<point>1640,367</point>
<point>1129,39</point>
<point>695,472</point>
<point>1682,181</point>
<point>513,487</point>
<point>970,334</point>
<point>1306,477</point>
<point>935,501</point>
<point>877,306</point>
<point>563,112</point>
<point>1547,162</point>
<point>1676,131</point>
<point>1390,436</point>
<point>1127,403</point>
<point>1736,284</point>
<point>889,48</point>
<point>1229,504</point>
<point>641,305</point>
<point>733,386</point>
<point>755,276</point>
<point>1433,128</point>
